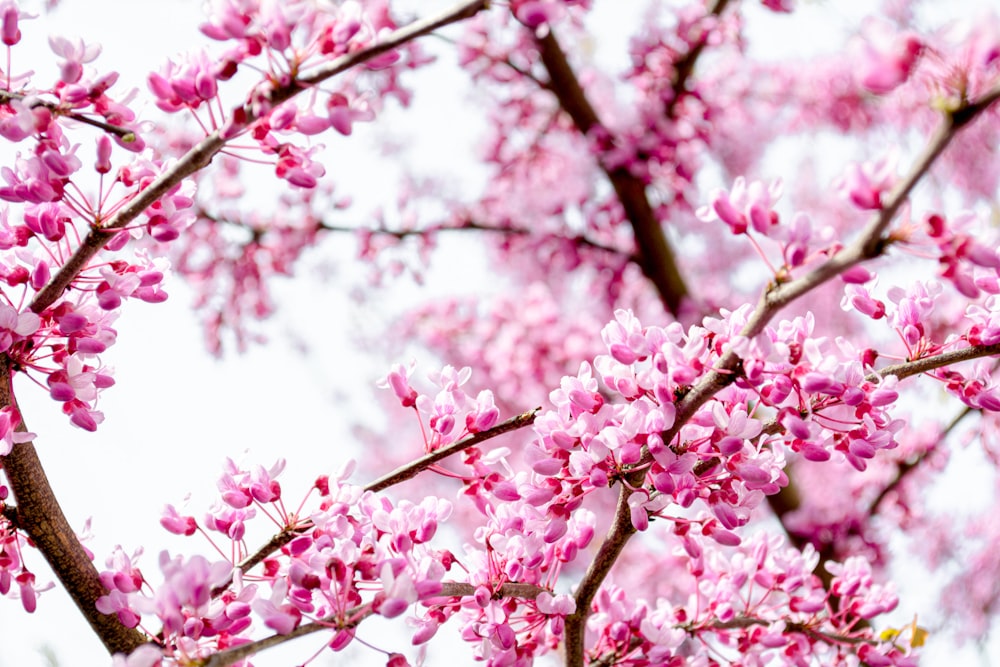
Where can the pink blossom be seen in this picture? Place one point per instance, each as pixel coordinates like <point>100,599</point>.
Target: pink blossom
<point>888,59</point>
<point>74,54</point>
<point>865,184</point>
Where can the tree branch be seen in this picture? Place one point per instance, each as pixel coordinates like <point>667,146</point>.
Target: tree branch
<point>411,469</point>
<point>655,254</point>
<point>684,67</point>
<point>907,467</point>
<point>41,518</point>
<point>618,535</point>
<point>397,476</point>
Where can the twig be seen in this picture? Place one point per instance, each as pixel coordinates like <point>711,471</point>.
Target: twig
<point>399,475</point>
<point>907,467</point>
<point>244,651</point>
<point>358,614</point>
<point>411,469</point>
<point>122,132</point>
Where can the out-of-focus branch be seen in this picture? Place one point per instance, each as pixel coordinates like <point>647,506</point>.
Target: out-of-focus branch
<point>467,225</point>
<point>684,67</point>
<point>40,516</point>
<point>907,467</point>
<point>656,257</point>
<point>473,226</point>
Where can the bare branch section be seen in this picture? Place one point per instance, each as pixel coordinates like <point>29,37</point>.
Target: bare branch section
<point>772,301</point>
<point>656,257</point>
<point>466,225</point>
<point>410,470</point>
<point>41,518</point>
<point>201,155</point>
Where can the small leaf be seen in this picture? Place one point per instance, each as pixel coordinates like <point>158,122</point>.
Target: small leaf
<point>889,634</point>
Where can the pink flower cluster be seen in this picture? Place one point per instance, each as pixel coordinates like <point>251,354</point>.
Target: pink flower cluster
<point>758,604</point>
<point>286,41</point>
<point>56,335</point>
<point>451,413</point>
<point>350,555</point>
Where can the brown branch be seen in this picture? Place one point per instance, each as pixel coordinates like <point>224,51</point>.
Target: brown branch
<point>611,548</point>
<point>244,651</point>
<point>201,154</point>
<point>467,225</point>
<point>870,243</point>
<point>40,516</point>
<point>656,256</point>
<point>356,615</point>
<point>458,589</point>
<point>411,469</point>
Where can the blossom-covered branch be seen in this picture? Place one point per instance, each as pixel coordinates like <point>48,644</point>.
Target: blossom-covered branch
<point>201,155</point>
